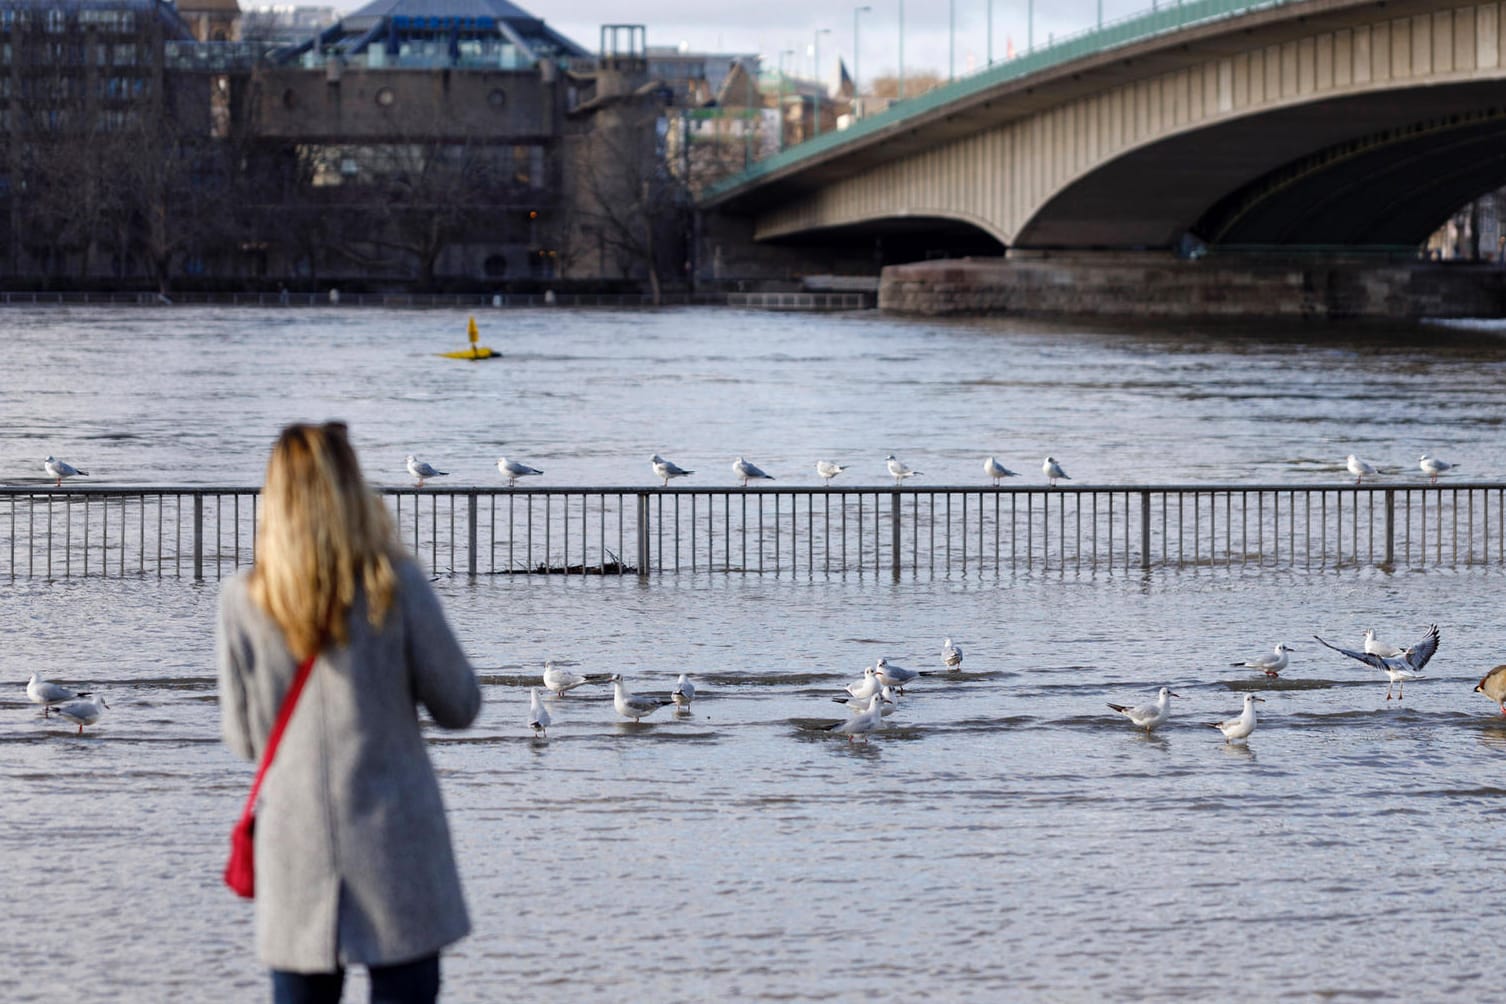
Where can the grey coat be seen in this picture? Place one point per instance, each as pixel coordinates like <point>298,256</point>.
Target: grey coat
<point>353,857</point>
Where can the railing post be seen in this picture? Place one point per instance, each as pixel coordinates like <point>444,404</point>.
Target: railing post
<point>198,537</point>
<point>1390,527</point>
<point>894,545</point>
<point>1145,529</point>
<point>470,544</point>
<point>643,534</point>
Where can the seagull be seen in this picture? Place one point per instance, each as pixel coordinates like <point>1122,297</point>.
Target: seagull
<point>60,469</point>
<point>538,715</point>
<point>899,470</point>
<point>1242,726</point>
<point>1493,686</point>
<point>422,469</point>
<point>1148,716</point>
<point>890,702</point>
<point>828,470</point>
<point>1270,665</point>
<point>1053,471</point>
<point>863,722</point>
<point>48,694</point>
<point>561,680</point>
<point>894,676</point>
<point>667,469</point>
<point>866,687</point>
<point>1431,466</point>
<point>1375,647</point>
<point>515,470</point>
<point>1359,468</point>
<point>997,471</point>
<point>683,693</point>
<point>83,712</point>
<point>746,471</point>
<point>631,705</point>
<point>951,654</point>
<point>1398,668</point>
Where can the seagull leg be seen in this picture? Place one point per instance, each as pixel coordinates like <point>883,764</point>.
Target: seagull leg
<point>1388,691</point>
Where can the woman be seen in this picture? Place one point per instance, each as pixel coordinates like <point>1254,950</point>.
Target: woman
<point>353,857</point>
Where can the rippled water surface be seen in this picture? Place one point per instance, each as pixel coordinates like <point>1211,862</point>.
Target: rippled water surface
<point>1007,837</point>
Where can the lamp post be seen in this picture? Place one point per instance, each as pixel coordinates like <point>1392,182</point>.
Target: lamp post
<point>901,51</point>
<point>1030,25</point>
<point>782,54</point>
<point>991,32</point>
<point>857,50</point>
<point>816,60</point>
<point>951,51</point>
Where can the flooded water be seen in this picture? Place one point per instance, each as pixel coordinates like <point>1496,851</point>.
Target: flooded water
<point>1007,836</point>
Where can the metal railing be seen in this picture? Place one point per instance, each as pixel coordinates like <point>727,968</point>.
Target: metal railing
<point>206,533</point>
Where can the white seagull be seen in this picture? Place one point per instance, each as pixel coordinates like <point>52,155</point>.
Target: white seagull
<point>951,654</point>
<point>997,471</point>
<point>631,705</point>
<point>900,470</point>
<point>894,676</point>
<point>667,469</point>
<point>83,712</point>
<point>863,722</point>
<point>866,687</point>
<point>1432,467</point>
<point>538,715</point>
<point>890,702</point>
<point>683,693</point>
<point>60,469</point>
<point>1374,646</point>
<point>1148,716</point>
<point>49,694</point>
<point>746,471</point>
<point>828,470</point>
<point>1270,665</point>
<point>1240,727</point>
<point>561,680</point>
<point>1398,668</point>
<point>1053,471</point>
<point>422,469</point>
<point>513,470</point>
<point>1359,468</point>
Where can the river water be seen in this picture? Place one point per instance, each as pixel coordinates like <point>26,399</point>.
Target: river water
<point>1006,837</point>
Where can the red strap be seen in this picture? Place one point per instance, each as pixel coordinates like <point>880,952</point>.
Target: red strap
<point>275,736</point>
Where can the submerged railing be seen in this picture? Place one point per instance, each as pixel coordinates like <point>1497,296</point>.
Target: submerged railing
<point>206,533</point>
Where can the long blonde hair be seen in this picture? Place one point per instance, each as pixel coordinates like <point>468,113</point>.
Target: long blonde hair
<point>323,536</point>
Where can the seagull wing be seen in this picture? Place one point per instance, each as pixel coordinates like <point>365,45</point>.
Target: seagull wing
<point>1423,650</point>
<point>1378,662</point>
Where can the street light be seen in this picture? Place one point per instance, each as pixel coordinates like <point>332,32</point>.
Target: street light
<point>951,52</point>
<point>816,59</point>
<point>782,54</point>
<point>857,78</point>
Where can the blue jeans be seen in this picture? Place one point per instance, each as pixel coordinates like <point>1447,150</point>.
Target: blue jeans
<point>410,983</point>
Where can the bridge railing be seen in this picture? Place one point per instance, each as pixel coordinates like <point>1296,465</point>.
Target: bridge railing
<point>207,533</point>
<point>1162,18</point>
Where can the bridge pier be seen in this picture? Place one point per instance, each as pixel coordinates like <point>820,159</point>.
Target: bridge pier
<point>1158,286</point>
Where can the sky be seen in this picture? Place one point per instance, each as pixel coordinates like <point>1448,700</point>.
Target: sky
<point>767,27</point>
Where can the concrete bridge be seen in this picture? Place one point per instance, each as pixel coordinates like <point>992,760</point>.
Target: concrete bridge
<point>1350,125</point>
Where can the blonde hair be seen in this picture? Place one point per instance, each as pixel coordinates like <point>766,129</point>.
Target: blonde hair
<point>323,536</point>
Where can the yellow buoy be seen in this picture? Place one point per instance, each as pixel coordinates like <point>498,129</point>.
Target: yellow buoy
<point>475,351</point>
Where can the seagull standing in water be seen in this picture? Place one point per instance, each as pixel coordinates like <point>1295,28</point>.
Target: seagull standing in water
<point>538,715</point>
<point>513,470</point>
<point>1243,724</point>
<point>997,471</point>
<point>890,702</point>
<point>1053,471</point>
<point>561,680</point>
<point>900,470</point>
<point>422,469</point>
<point>864,722</point>
<point>631,705</point>
<point>746,472</point>
<point>683,693</point>
<point>894,676</point>
<point>865,688</point>
<point>49,694</point>
<point>667,469</point>
<point>1432,467</point>
<point>1270,665</point>
<point>1148,716</point>
<point>1359,468</point>
<point>61,469</point>
<point>1399,668</point>
<point>828,470</point>
<point>951,654</point>
<point>83,712</point>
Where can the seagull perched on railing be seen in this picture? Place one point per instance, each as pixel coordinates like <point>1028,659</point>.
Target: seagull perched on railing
<point>1398,668</point>
<point>1053,471</point>
<point>997,471</point>
<point>1432,467</point>
<point>514,470</point>
<point>60,469</point>
<point>1359,468</point>
<point>900,470</point>
<point>667,469</point>
<point>746,471</point>
<point>828,470</point>
<point>422,469</point>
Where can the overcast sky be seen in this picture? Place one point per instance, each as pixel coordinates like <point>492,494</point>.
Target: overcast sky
<point>767,27</point>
